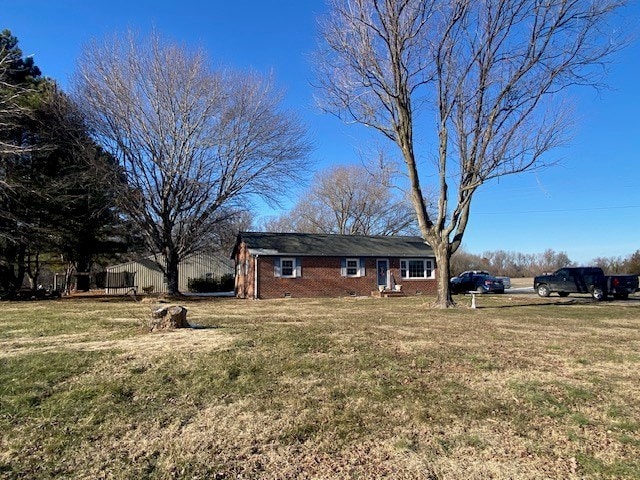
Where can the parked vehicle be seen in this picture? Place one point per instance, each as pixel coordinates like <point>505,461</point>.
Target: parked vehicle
<point>620,286</point>
<point>590,280</point>
<point>478,272</point>
<point>506,281</point>
<point>476,281</point>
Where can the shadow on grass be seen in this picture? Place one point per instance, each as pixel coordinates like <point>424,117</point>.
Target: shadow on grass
<point>109,298</point>
<point>193,326</point>
<point>634,301</point>
<point>560,303</point>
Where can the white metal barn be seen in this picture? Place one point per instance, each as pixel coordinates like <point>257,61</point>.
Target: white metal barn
<point>145,272</point>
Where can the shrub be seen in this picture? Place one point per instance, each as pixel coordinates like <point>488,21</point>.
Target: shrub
<point>208,285</point>
<point>203,285</point>
<point>227,282</point>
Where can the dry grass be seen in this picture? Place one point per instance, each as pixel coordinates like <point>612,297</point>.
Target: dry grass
<point>521,388</point>
<point>518,282</point>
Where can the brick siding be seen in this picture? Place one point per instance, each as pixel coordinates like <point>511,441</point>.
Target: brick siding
<point>321,278</point>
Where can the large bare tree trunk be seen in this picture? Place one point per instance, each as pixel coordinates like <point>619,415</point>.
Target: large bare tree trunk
<point>172,275</point>
<point>442,251</point>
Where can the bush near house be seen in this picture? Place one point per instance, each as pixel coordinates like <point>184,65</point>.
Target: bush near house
<point>211,285</point>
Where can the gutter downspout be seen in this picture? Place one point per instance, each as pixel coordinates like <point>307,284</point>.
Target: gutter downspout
<point>255,277</point>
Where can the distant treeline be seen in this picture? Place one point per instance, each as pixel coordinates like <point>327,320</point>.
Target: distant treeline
<point>516,264</point>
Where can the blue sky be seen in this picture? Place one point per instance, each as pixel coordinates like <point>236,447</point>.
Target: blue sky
<point>588,205</point>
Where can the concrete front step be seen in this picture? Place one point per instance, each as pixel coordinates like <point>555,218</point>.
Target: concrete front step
<point>388,294</point>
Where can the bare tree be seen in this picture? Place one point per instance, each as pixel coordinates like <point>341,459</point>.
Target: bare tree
<point>226,232</point>
<point>488,75</point>
<point>194,142</point>
<point>632,263</point>
<point>512,264</point>
<point>350,200</point>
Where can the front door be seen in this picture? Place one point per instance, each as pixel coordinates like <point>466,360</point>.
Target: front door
<point>383,273</point>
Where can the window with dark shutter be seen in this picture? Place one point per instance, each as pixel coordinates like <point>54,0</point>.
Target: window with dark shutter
<point>288,267</point>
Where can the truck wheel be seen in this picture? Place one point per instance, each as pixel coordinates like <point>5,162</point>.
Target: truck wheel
<point>543,290</point>
<point>597,293</point>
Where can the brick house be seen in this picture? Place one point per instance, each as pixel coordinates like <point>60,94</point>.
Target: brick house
<point>276,265</point>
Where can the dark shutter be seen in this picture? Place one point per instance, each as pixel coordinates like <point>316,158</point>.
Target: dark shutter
<point>276,267</point>
<point>298,267</point>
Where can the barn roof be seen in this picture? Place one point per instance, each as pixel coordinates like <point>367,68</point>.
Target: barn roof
<point>325,245</point>
<point>151,261</point>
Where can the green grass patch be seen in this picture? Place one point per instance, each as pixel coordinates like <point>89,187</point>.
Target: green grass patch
<point>593,467</point>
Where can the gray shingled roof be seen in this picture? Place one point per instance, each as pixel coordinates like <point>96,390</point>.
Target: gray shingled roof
<point>322,245</point>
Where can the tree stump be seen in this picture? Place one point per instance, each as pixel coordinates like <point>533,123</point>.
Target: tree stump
<point>168,318</point>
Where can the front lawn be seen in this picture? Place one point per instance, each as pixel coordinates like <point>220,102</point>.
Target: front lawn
<point>521,388</point>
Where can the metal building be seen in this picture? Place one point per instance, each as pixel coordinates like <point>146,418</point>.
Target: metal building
<point>145,273</point>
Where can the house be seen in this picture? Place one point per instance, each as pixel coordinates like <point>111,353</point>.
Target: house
<point>146,274</point>
<point>275,265</point>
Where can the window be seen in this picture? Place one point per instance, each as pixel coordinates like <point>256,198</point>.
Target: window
<point>416,268</point>
<point>353,266</point>
<point>287,267</point>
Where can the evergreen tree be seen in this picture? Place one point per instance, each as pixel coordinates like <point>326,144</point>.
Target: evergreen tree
<point>19,80</point>
<point>57,186</point>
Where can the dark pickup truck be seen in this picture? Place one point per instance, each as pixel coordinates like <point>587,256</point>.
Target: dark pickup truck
<point>585,280</point>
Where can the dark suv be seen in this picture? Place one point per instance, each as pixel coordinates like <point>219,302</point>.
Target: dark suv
<point>478,281</point>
